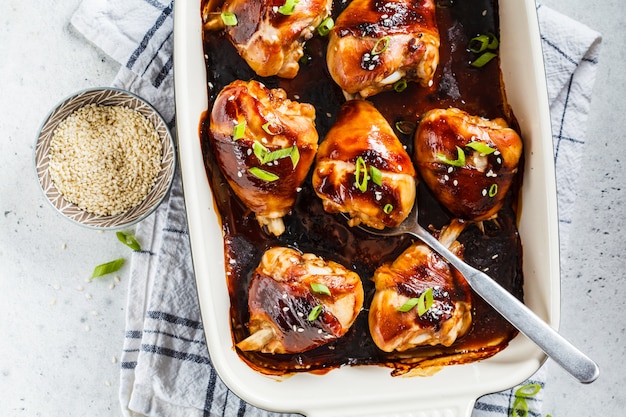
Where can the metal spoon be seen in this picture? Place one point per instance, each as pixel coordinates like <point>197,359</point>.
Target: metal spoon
<point>514,311</point>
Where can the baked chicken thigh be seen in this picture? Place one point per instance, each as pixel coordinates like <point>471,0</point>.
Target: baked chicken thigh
<point>299,301</point>
<point>270,34</point>
<point>264,144</point>
<point>467,161</point>
<point>419,299</point>
<point>363,170</point>
<point>375,44</point>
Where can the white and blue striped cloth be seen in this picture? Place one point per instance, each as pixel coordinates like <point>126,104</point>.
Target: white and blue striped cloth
<point>165,367</point>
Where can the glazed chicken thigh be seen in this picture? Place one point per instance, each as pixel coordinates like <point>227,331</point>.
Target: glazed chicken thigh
<point>398,321</point>
<point>467,161</point>
<point>270,34</point>
<point>375,44</point>
<point>264,144</point>
<point>299,301</point>
<point>363,170</point>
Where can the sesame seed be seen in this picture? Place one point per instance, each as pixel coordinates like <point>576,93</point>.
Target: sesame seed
<point>285,309</point>
<point>484,192</point>
<point>105,159</point>
<point>455,183</point>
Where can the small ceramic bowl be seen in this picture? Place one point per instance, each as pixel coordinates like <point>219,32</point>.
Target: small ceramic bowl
<point>108,97</point>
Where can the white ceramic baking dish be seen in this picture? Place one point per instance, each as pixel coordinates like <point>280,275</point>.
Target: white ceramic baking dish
<point>370,390</point>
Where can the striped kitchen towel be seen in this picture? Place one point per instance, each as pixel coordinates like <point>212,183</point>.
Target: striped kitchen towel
<point>165,367</point>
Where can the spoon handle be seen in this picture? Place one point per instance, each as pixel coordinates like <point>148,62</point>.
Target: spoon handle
<point>519,315</point>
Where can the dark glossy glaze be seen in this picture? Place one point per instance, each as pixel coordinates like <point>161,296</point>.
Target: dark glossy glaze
<point>310,229</point>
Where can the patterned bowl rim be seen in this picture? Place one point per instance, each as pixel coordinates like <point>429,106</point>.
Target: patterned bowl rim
<point>107,96</point>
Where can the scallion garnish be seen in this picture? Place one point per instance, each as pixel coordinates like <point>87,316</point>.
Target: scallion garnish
<point>459,162</point>
<point>424,302</point>
<point>481,43</point>
<point>376,176</point>
<point>324,28</point>
<point>295,156</point>
<point>520,406</point>
<point>381,45</point>
<point>400,85</point>
<point>128,240</point>
<point>360,174</point>
<point>107,268</point>
<point>263,174</point>
<point>315,312</point>
<point>388,208</point>
<point>272,129</point>
<point>481,147</point>
<point>288,8</point>
<point>320,288</point>
<point>239,130</point>
<point>482,60</point>
<point>229,18</point>
<point>265,156</point>
<point>493,190</point>
<point>404,127</point>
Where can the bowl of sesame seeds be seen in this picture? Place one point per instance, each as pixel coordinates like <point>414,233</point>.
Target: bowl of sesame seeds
<point>105,158</point>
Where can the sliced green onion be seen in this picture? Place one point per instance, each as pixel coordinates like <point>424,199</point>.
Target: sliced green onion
<point>400,85</point>
<point>459,162</point>
<point>315,313</point>
<point>260,151</point>
<point>324,28</point>
<point>272,129</point>
<point>404,127</point>
<point>481,43</point>
<point>229,18</point>
<point>239,130</point>
<point>425,302</point>
<point>528,390</point>
<point>376,176</point>
<point>263,174</point>
<point>381,45</point>
<point>279,154</point>
<point>295,156</point>
<point>288,8</point>
<point>493,190</point>
<point>481,147</point>
<point>107,268</point>
<point>128,240</point>
<point>520,407</point>
<point>320,288</point>
<point>388,208</point>
<point>360,174</point>
<point>408,305</point>
<point>482,60</point>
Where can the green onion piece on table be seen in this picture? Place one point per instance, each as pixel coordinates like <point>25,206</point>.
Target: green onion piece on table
<point>128,240</point>
<point>107,268</point>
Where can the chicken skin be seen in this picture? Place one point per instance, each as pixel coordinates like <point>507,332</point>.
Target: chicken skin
<point>375,44</point>
<point>467,161</point>
<point>298,302</point>
<point>270,34</point>
<point>397,322</point>
<point>264,144</point>
<point>363,170</point>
